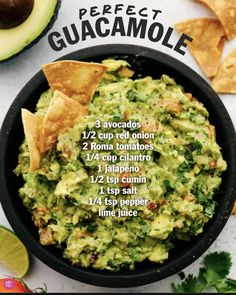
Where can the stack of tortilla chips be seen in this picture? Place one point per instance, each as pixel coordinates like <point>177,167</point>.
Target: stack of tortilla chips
<point>74,84</point>
<point>209,37</point>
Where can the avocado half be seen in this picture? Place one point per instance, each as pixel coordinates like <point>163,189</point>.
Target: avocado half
<point>17,39</point>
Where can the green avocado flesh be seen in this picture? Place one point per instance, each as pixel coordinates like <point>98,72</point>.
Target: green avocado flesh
<point>14,40</point>
<point>183,175</point>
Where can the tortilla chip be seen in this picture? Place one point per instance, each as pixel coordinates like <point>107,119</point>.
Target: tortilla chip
<point>77,80</point>
<point>225,10</point>
<point>234,210</point>
<point>32,128</point>
<point>62,114</point>
<point>208,42</point>
<point>225,80</point>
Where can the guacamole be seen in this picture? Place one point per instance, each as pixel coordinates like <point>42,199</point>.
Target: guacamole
<point>181,174</point>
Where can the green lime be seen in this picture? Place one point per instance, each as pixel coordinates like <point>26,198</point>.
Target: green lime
<point>13,254</point>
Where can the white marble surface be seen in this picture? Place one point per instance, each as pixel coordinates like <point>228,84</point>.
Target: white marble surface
<point>16,72</point>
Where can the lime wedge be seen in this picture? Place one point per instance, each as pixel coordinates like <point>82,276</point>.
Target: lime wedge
<point>13,254</point>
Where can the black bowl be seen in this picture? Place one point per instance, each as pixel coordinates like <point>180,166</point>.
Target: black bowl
<point>146,62</point>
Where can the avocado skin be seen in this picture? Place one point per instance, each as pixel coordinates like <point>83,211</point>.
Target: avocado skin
<point>36,40</point>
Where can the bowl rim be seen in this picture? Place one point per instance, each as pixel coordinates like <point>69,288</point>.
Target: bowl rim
<point>114,279</point>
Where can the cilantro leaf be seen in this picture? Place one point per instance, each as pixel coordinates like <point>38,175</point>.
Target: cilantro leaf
<point>117,118</point>
<point>216,267</point>
<point>197,146</point>
<point>213,274</point>
<point>208,204</point>
<point>132,95</point>
<point>227,286</point>
<point>156,156</point>
<point>209,210</point>
<point>92,228</point>
<point>190,285</point>
<point>184,167</point>
<point>168,186</point>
